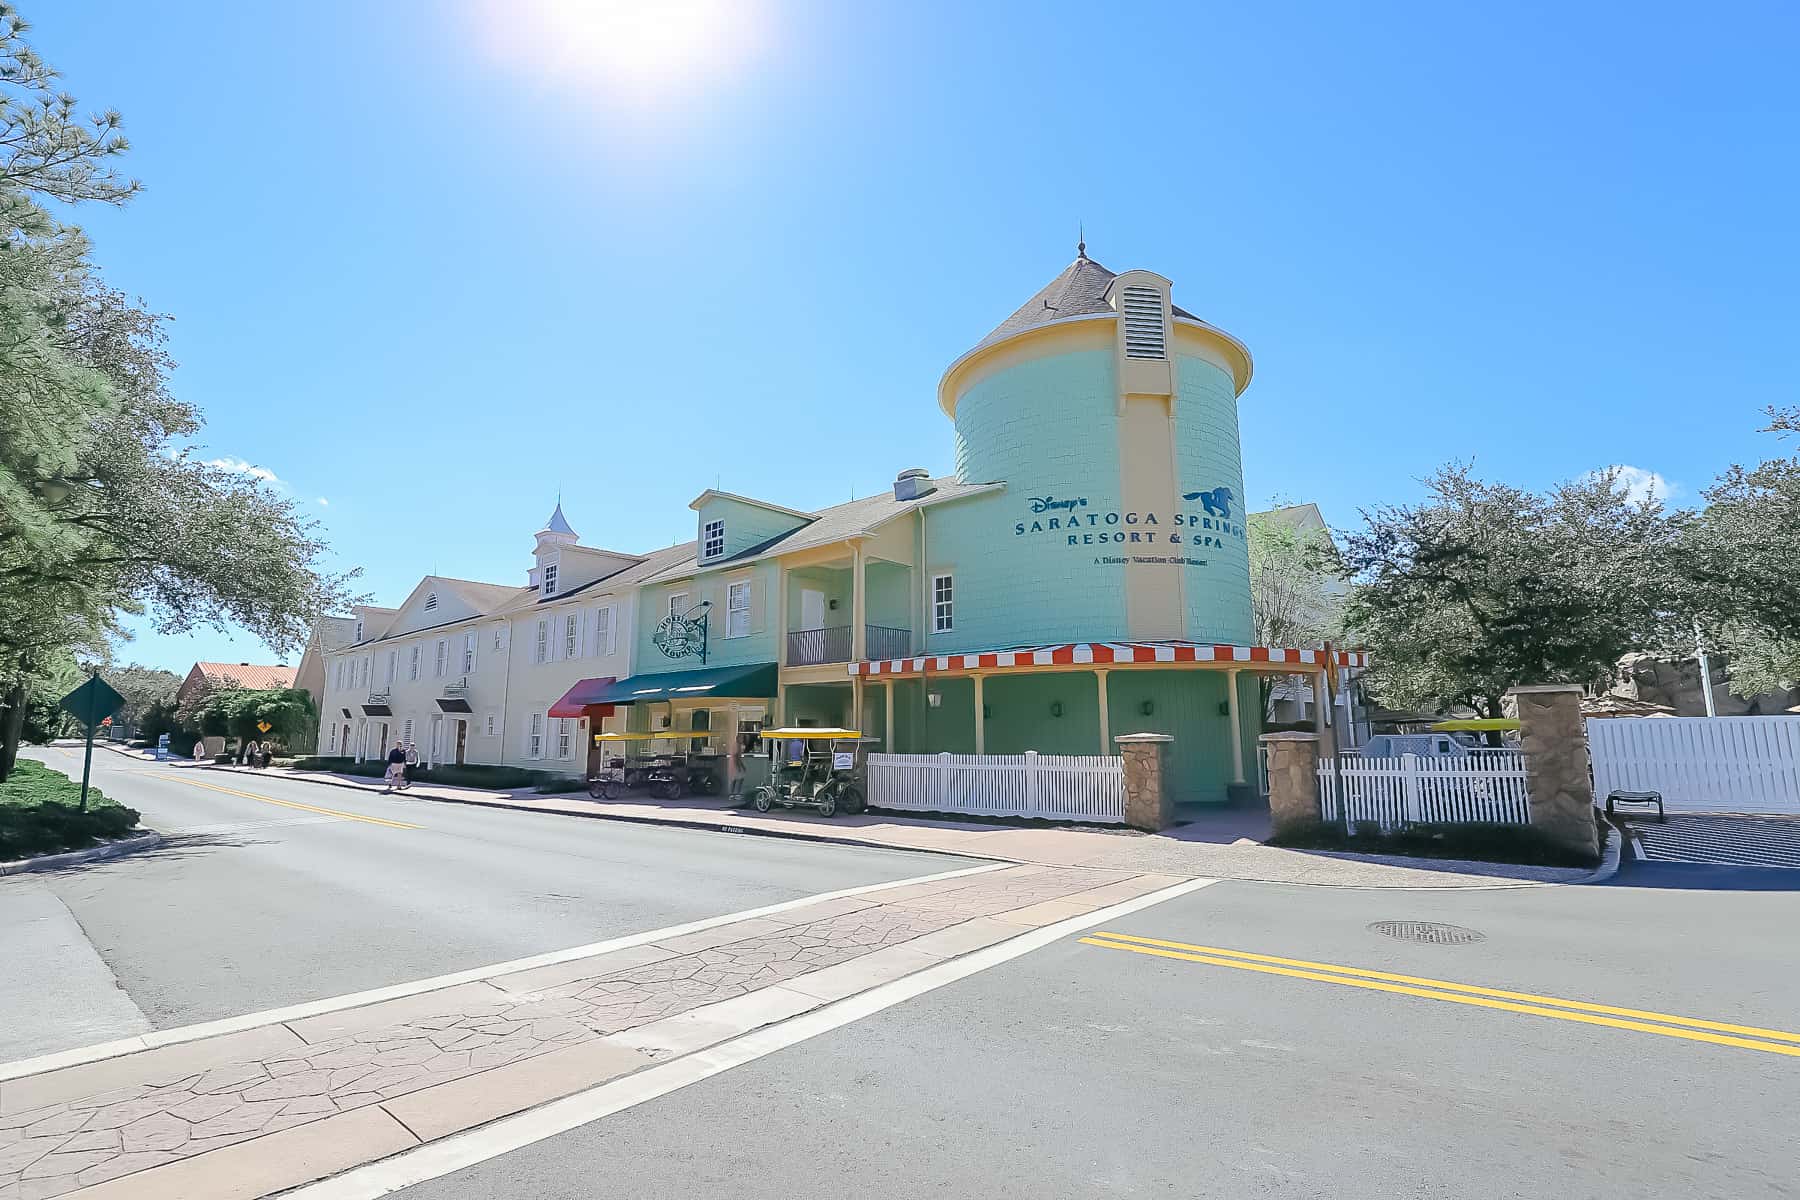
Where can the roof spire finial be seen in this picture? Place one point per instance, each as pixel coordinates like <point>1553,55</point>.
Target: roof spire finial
<point>1081,240</point>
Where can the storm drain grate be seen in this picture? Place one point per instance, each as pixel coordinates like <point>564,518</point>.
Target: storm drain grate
<point>1434,932</point>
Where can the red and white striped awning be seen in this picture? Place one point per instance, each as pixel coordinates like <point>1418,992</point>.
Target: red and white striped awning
<point>1025,658</point>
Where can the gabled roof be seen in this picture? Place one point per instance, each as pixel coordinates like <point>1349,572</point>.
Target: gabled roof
<point>254,676</point>
<point>1080,291</point>
<point>853,518</point>
<point>710,493</point>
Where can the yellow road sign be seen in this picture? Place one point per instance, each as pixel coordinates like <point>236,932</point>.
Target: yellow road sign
<point>263,726</point>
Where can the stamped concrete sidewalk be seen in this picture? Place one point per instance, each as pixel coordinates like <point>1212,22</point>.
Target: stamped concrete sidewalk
<point>1219,844</point>
<point>264,1107</point>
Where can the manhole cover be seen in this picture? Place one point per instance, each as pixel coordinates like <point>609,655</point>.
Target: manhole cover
<point>1428,931</point>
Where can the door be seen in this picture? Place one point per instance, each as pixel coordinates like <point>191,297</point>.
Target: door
<point>462,740</point>
<point>812,609</point>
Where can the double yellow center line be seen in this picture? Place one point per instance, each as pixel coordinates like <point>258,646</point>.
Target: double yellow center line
<point>1693,1029</point>
<point>329,812</point>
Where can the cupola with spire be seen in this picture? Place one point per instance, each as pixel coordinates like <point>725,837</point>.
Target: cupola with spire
<point>555,534</point>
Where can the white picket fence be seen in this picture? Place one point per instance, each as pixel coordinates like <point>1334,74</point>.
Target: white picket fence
<point>1700,764</point>
<point>1060,787</point>
<point>1410,790</point>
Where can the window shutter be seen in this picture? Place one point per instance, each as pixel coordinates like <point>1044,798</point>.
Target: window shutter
<point>1142,311</point>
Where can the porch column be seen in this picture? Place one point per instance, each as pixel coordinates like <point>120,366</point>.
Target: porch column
<point>1237,725</point>
<point>1323,720</point>
<point>856,702</point>
<point>980,720</point>
<point>781,616</point>
<point>859,608</point>
<point>780,705</point>
<point>887,712</point>
<point>1105,716</point>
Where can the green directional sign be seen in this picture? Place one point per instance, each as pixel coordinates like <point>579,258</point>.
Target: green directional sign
<point>91,703</point>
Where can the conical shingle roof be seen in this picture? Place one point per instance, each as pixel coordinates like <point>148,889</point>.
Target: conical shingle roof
<point>558,523</point>
<point>1078,292</point>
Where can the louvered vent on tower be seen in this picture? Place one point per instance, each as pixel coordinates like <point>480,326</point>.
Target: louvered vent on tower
<point>1142,309</point>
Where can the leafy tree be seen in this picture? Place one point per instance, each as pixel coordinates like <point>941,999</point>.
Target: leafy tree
<point>1739,560</point>
<point>144,689</point>
<point>101,513</point>
<point>1296,589</point>
<point>1483,587</point>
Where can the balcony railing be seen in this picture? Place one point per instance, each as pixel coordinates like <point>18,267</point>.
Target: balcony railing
<point>811,647</point>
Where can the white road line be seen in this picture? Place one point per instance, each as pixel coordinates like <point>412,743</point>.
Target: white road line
<point>292,1012</point>
<point>436,1159</point>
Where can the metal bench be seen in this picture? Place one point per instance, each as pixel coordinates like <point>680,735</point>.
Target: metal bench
<point>1643,799</point>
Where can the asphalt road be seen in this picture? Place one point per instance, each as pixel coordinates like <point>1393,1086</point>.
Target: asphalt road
<point>1081,1070</point>
<point>254,904</point>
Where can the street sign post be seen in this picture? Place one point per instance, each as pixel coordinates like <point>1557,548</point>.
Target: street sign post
<point>91,703</point>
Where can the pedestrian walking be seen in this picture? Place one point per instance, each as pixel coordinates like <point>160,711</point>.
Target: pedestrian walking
<point>396,767</point>
<point>412,764</point>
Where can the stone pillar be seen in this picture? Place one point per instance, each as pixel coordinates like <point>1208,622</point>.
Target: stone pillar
<point>1553,736</point>
<point>1293,779</point>
<point>1149,794</point>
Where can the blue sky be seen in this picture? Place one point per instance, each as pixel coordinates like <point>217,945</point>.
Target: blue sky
<point>434,261</point>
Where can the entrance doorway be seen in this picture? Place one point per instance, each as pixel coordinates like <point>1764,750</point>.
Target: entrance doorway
<point>812,609</point>
<point>462,740</point>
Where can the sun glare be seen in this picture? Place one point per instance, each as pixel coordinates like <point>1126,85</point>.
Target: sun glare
<point>643,47</point>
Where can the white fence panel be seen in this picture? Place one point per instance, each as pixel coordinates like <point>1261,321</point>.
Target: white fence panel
<point>1700,764</point>
<point>1058,787</point>
<point>1411,790</point>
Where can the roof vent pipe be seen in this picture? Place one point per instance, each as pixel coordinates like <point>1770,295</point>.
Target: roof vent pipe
<point>910,485</point>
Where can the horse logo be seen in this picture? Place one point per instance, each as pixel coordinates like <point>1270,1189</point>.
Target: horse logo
<point>1217,502</point>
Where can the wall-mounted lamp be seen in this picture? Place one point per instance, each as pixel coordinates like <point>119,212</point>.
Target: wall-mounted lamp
<point>934,699</point>
<point>1147,707</point>
<point>1224,708</point>
<point>1056,708</point>
<point>987,712</point>
<point>832,604</point>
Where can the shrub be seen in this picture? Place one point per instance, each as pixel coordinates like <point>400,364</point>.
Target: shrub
<point>1475,840</point>
<point>319,762</point>
<point>40,813</point>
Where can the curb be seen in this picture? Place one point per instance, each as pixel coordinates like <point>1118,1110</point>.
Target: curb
<point>147,840</point>
<point>1610,862</point>
<point>1607,868</point>
<point>653,822</point>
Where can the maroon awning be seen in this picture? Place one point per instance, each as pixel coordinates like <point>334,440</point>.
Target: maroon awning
<point>576,701</point>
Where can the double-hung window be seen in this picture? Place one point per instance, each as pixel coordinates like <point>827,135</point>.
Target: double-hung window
<point>572,636</point>
<point>737,609</point>
<point>549,579</point>
<point>412,663</point>
<point>565,738</point>
<point>443,655</point>
<point>541,652</point>
<point>712,539</point>
<point>393,667</point>
<point>603,631</point>
<point>678,603</point>
<point>943,603</point>
<point>468,660</point>
<point>534,745</point>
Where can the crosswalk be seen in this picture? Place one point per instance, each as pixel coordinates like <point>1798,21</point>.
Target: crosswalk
<point>1721,840</point>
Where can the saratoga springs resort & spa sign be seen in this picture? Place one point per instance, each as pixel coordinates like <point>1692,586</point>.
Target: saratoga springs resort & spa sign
<point>1208,526</point>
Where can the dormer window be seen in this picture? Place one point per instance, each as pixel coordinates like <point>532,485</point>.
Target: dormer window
<point>1142,310</point>
<point>712,539</point>
<point>549,579</point>
<point>431,602</point>
<point>359,631</point>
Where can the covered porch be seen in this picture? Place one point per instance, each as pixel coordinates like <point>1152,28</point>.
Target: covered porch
<point>1076,698</point>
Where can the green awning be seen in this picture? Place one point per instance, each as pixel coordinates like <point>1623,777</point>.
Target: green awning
<point>753,681</point>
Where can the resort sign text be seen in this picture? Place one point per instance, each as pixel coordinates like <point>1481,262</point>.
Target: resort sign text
<point>1209,525</point>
